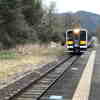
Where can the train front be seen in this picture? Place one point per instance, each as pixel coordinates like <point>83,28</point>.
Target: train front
<point>76,40</point>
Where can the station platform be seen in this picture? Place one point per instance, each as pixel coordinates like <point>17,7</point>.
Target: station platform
<point>80,82</point>
<point>95,82</point>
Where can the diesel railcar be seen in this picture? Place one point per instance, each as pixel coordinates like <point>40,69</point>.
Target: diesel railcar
<point>76,40</point>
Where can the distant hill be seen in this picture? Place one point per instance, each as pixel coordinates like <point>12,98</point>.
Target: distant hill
<point>87,19</point>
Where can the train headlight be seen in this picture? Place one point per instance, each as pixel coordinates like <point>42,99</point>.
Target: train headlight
<point>76,31</point>
<point>83,42</point>
<point>69,42</point>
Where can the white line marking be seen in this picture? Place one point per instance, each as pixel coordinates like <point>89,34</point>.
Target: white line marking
<point>82,91</point>
<point>74,69</point>
<point>55,97</point>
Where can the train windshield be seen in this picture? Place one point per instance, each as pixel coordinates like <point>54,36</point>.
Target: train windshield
<point>83,35</point>
<point>70,36</point>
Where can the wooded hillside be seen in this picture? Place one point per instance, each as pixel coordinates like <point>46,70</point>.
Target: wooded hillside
<point>27,21</point>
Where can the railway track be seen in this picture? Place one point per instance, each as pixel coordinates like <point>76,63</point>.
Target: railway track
<point>32,86</point>
<point>38,88</point>
<point>10,90</point>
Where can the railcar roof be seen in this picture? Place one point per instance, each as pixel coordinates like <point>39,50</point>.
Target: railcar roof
<point>83,29</point>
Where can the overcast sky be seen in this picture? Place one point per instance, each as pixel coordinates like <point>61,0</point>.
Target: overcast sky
<point>76,5</point>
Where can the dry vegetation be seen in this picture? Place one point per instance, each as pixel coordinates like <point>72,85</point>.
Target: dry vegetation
<point>26,58</point>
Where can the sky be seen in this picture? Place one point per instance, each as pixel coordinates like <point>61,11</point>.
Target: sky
<point>75,5</point>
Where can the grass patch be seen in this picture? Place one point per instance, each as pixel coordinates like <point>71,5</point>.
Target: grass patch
<point>32,56</point>
<point>7,55</point>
